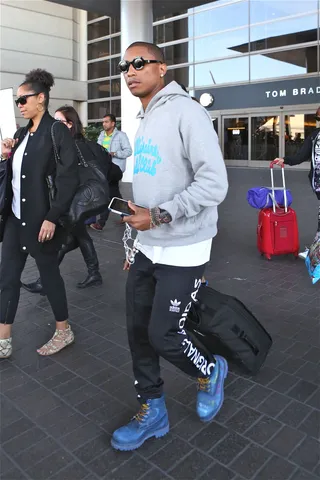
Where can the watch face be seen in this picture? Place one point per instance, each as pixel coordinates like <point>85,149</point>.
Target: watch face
<point>206,100</point>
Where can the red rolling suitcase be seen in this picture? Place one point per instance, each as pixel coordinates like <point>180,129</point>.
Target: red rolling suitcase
<point>277,232</point>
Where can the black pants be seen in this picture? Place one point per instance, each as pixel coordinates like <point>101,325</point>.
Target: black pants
<point>114,192</point>
<point>12,264</point>
<point>158,300</point>
<point>80,237</point>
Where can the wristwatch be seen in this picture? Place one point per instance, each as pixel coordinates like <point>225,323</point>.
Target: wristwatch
<point>164,216</point>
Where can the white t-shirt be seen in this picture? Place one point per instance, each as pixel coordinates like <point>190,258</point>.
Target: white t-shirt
<point>192,255</point>
<point>16,176</point>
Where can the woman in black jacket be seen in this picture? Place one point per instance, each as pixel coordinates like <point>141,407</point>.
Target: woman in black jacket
<point>29,225</point>
<point>79,237</point>
<point>310,150</point>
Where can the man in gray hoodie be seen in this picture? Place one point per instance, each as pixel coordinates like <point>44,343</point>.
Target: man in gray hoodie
<point>179,179</point>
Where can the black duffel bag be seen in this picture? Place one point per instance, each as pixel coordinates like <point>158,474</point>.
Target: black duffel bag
<point>226,327</point>
<point>4,177</point>
<point>92,195</point>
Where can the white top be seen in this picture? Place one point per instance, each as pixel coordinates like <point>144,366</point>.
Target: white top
<point>16,176</point>
<point>192,255</point>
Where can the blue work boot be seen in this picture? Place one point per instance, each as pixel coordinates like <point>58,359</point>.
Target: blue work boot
<point>210,391</point>
<point>150,421</point>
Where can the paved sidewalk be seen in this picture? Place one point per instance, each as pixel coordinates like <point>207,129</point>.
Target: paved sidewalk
<point>58,413</point>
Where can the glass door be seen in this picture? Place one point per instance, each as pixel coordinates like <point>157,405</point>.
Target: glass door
<point>235,139</point>
<point>297,127</point>
<point>265,137</point>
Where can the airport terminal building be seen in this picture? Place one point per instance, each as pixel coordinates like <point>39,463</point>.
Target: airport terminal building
<point>254,64</point>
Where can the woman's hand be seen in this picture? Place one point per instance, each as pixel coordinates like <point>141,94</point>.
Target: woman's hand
<point>46,232</point>
<point>7,145</point>
<point>279,161</point>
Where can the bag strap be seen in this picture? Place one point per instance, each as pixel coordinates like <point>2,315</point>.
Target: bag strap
<point>55,148</point>
<point>81,157</point>
<point>56,152</point>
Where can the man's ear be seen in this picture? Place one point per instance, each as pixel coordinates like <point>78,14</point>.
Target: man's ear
<point>163,69</point>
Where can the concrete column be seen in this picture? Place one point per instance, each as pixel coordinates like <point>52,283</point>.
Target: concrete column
<point>136,25</point>
<point>83,65</point>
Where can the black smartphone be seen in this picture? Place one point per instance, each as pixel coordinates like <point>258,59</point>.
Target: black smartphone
<point>120,206</point>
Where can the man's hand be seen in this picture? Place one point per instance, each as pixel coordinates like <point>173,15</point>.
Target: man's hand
<point>279,161</point>
<point>46,232</point>
<point>140,220</point>
<point>113,154</point>
<point>126,265</point>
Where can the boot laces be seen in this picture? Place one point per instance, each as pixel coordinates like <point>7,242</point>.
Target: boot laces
<point>204,384</point>
<point>143,412</point>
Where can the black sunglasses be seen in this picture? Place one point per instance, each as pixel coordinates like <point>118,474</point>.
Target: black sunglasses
<point>138,63</point>
<point>317,118</point>
<point>24,98</point>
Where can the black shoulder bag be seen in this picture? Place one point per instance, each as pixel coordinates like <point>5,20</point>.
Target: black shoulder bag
<point>92,195</point>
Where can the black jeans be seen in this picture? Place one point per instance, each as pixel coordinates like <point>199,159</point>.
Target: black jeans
<point>158,300</point>
<point>13,260</point>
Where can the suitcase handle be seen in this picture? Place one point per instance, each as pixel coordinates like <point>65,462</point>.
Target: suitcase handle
<point>272,164</point>
<point>241,334</point>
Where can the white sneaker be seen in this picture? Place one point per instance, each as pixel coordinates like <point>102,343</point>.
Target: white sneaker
<point>5,347</point>
<point>303,255</point>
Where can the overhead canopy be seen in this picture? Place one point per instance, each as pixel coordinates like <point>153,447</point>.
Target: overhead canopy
<point>112,7</point>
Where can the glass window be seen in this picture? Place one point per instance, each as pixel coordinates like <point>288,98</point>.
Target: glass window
<point>282,64</point>
<point>99,29</point>
<point>211,4</point>
<point>265,137</point>
<point>99,49</point>
<point>115,45</point>
<point>263,10</point>
<point>297,129</point>
<point>115,108</point>
<point>169,15</point>
<point>115,24</point>
<point>168,32</point>
<point>180,53</point>
<point>280,34</point>
<point>222,45</point>
<point>235,138</point>
<point>97,110</point>
<point>99,69</point>
<point>93,16</point>
<point>116,87</point>
<point>99,89</point>
<point>222,71</point>
<point>181,75</point>
<point>114,62</point>
<point>222,18</point>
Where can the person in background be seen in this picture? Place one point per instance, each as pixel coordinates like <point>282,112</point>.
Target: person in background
<point>310,150</point>
<point>180,179</point>
<point>29,225</point>
<point>79,237</point>
<point>118,145</point>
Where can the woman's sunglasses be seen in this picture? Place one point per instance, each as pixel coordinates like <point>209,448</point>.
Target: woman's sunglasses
<point>24,98</point>
<point>138,63</point>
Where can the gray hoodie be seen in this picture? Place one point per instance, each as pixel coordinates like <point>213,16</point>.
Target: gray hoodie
<point>178,166</point>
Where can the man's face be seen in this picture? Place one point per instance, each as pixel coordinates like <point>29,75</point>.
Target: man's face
<point>108,124</point>
<point>143,82</point>
<point>318,115</point>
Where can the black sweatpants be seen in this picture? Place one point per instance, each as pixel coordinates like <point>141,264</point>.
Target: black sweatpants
<point>13,260</point>
<point>158,300</point>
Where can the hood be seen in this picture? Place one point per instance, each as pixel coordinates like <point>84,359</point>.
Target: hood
<point>168,93</point>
